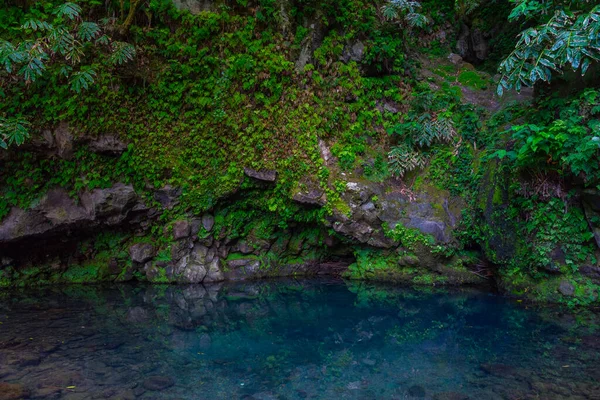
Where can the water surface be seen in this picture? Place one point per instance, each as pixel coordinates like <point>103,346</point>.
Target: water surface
<point>311,339</point>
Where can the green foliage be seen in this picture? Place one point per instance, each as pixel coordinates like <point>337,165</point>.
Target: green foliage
<point>13,131</point>
<point>569,38</point>
<point>568,145</point>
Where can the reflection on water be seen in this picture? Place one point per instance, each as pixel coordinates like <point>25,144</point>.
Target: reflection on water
<point>314,339</point>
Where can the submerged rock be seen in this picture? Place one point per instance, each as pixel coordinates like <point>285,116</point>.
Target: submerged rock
<point>12,391</point>
<point>157,383</point>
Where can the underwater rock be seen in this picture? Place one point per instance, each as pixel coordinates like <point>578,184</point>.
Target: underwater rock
<point>11,391</point>
<point>450,396</point>
<point>157,383</point>
<point>416,391</point>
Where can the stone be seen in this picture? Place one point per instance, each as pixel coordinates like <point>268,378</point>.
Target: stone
<point>195,226</point>
<point>12,391</point>
<point>158,383</point>
<point>141,252</point>
<point>262,175</point>
<point>108,145</point>
<point>167,196</point>
<point>566,288</point>
<point>111,205</point>
<point>450,396</point>
<point>354,52</point>
<point>196,6</point>
<point>64,141</point>
<point>315,197</point>
<point>455,59</point>
<point>208,221</point>
<point>181,229</point>
<point>416,391</point>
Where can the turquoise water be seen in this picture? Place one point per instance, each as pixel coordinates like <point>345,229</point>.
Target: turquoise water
<point>309,339</point>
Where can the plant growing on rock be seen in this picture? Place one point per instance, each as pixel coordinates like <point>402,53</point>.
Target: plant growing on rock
<point>568,37</point>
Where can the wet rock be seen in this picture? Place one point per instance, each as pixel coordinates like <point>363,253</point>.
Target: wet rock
<point>208,221</point>
<point>141,252</point>
<point>566,288</point>
<point>181,229</point>
<point>107,144</point>
<point>416,391</point>
<point>10,391</point>
<point>157,383</point>
<point>262,175</point>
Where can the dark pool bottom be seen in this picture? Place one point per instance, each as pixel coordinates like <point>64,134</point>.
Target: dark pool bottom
<point>313,339</point>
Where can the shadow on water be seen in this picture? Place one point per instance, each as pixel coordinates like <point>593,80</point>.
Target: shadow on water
<point>287,339</point>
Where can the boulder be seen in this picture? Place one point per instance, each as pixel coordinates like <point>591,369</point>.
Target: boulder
<point>181,229</point>
<point>108,145</point>
<point>141,252</point>
<point>264,175</point>
<point>566,288</point>
<point>208,221</point>
<point>167,196</point>
<point>353,52</point>
<point>157,383</point>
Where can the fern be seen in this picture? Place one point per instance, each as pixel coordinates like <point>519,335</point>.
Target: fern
<point>570,39</point>
<point>82,80</point>
<point>68,10</point>
<point>403,159</point>
<point>122,53</point>
<point>13,131</point>
<point>405,10</point>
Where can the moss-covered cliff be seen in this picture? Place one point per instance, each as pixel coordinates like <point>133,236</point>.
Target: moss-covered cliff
<point>251,139</point>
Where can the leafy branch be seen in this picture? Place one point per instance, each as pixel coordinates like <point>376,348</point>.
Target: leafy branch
<point>569,39</point>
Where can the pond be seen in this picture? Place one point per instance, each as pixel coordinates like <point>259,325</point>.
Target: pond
<point>288,339</point>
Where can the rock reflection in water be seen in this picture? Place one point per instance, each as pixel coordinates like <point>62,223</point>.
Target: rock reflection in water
<point>316,339</point>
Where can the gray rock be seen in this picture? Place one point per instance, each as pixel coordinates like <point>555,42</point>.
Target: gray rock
<point>110,205</point>
<point>314,197</point>
<point>107,144</point>
<point>181,229</point>
<point>208,221</point>
<point>168,196</point>
<point>566,288</point>
<point>196,6</point>
<point>354,52</point>
<point>195,225</point>
<point>455,59</point>
<point>141,252</point>
<point>64,140</point>
<point>262,175</point>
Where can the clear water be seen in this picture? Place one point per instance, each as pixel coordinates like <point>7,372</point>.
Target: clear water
<point>314,339</point>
